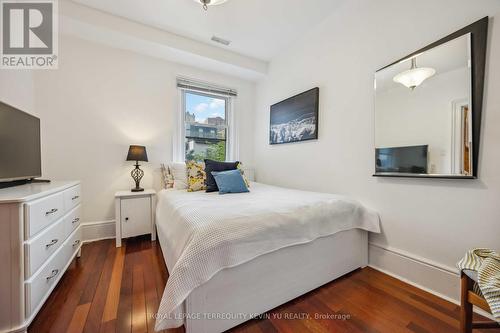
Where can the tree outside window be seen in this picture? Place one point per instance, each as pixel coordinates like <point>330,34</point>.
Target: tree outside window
<point>206,129</point>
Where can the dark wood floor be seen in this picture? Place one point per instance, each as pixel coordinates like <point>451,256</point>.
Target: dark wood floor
<point>117,290</point>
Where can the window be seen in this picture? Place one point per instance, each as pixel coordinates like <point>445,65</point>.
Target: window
<point>205,125</point>
<point>205,122</point>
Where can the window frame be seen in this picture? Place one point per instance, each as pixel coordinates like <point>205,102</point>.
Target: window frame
<point>181,149</point>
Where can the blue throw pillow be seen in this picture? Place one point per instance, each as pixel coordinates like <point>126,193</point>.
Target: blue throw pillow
<point>230,181</point>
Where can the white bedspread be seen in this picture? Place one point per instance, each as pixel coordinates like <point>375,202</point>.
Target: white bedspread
<point>208,232</point>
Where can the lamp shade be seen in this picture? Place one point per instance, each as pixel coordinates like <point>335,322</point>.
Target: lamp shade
<point>414,77</point>
<point>211,2</point>
<point>137,153</point>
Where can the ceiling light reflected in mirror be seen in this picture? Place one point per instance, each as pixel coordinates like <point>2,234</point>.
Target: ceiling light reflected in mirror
<point>206,3</point>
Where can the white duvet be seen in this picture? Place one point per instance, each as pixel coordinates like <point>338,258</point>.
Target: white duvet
<point>207,232</point>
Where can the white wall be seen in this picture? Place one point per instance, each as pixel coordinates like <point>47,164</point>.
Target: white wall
<point>100,101</point>
<point>423,116</point>
<point>435,220</point>
<point>17,89</point>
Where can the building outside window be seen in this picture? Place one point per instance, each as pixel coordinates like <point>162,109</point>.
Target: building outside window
<point>205,126</point>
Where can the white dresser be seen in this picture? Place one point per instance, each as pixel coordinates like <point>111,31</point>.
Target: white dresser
<point>39,237</point>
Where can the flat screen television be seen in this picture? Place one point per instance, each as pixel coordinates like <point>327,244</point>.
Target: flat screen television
<point>19,145</point>
<point>410,159</point>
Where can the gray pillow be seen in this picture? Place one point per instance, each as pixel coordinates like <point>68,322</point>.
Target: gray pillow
<point>211,165</point>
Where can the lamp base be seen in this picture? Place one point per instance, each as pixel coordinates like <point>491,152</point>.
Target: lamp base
<point>137,174</point>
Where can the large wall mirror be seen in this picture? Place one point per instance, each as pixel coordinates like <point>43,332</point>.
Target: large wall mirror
<point>428,108</point>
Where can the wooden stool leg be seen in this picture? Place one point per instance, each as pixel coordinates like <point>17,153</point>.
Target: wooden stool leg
<point>466,307</point>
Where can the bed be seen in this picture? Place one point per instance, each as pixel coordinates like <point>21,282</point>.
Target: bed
<point>232,257</point>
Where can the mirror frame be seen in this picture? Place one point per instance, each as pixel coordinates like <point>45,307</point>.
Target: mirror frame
<point>479,38</point>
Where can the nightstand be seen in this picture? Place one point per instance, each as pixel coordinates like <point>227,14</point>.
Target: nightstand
<point>134,212</point>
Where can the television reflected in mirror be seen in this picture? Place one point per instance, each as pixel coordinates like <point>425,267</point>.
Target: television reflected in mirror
<point>411,159</point>
<point>428,108</point>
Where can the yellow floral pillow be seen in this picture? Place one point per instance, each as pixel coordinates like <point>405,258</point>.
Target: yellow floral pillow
<point>240,167</point>
<point>196,176</point>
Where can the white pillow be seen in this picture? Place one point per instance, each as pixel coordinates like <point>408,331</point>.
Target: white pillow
<point>180,175</point>
<point>167,180</point>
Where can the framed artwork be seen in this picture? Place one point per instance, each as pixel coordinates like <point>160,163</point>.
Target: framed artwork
<point>295,119</point>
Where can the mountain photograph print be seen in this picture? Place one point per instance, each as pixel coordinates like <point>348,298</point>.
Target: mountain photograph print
<point>295,119</point>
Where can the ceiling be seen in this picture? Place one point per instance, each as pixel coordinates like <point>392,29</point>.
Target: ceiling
<point>256,28</point>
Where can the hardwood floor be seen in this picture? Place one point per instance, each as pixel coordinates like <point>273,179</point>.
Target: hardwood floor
<point>117,290</point>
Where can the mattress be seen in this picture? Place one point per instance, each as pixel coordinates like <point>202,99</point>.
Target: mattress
<point>207,232</point>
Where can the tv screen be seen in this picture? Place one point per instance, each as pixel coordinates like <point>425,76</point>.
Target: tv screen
<point>19,144</point>
<point>411,159</point>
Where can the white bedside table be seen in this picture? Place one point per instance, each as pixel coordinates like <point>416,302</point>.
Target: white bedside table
<point>134,213</point>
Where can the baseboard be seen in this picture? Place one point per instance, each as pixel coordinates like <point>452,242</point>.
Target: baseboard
<point>95,231</point>
<point>440,280</point>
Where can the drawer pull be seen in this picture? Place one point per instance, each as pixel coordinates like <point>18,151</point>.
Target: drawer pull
<point>75,220</point>
<point>76,243</point>
<point>53,275</point>
<point>52,242</point>
<point>52,211</point>
<point>75,197</point>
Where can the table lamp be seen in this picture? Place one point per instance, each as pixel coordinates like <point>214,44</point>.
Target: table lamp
<point>137,153</point>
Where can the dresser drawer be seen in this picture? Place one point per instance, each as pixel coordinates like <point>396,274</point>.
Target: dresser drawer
<point>41,247</point>
<point>40,284</point>
<point>72,197</point>
<point>72,220</point>
<point>73,243</point>
<point>43,212</point>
